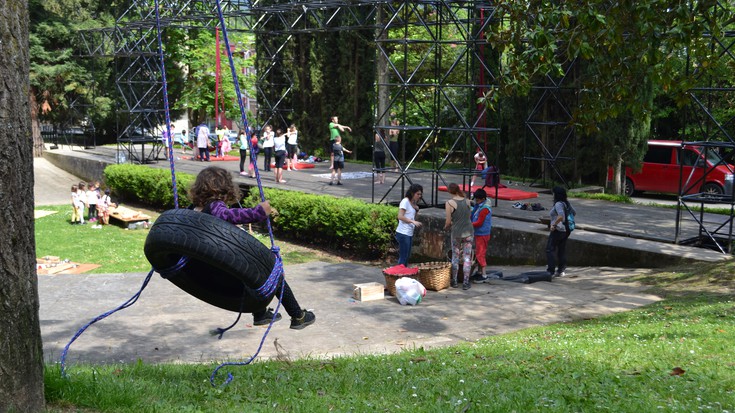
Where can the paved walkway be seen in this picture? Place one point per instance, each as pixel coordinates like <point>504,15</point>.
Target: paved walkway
<point>167,325</point>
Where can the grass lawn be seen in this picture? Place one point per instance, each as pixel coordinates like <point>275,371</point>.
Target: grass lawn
<point>671,356</point>
<point>118,250</point>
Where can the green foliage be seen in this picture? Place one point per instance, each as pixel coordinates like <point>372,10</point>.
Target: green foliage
<point>150,186</point>
<point>56,76</point>
<point>197,91</point>
<point>354,225</point>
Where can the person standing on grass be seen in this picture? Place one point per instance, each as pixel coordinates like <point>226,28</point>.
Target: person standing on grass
<point>379,149</point>
<point>268,143</point>
<point>81,201</point>
<point>458,214</point>
<point>407,211</point>
<point>482,222</point>
<point>211,192</point>
<point>334,132</point>
<point>75,217</point>
<point>338,154</point>
<point>279,147</point>
<point>91,195</point>
<point>292,147</point>
<point>556,245</point>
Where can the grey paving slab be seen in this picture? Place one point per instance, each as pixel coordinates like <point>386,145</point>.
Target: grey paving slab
<point>167,325</point>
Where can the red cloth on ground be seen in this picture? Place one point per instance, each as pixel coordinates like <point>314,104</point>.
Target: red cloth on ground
<point>401,269</point>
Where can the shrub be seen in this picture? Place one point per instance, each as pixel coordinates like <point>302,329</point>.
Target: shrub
<point>148,185</point>
<point>349,223</point>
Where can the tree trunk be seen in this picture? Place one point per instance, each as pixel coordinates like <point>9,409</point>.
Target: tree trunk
<point>617,185</point>
<point>21,351</point>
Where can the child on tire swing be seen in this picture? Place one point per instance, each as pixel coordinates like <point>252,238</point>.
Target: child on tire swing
<point>211,192</point>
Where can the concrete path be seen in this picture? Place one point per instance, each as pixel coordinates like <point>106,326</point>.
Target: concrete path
<point>167,325</point>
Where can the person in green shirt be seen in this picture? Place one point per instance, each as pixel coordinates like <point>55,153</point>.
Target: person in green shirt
<point>334,132</point>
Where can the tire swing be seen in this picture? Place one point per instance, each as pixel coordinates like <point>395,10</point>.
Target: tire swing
<point>210,259</point>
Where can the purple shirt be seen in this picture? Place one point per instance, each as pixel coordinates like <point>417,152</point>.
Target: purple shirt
<point>237,215</point>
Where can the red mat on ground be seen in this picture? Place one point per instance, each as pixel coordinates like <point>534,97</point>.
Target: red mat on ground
<point>214,158</point>
<point>299,165</point>
<point>508,194</point>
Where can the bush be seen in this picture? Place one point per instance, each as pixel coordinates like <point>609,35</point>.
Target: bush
<point>349,223</point>
<point>148,185</point>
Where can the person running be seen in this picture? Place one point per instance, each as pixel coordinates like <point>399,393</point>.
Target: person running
<point>334,132</point>
<point>212,191</point>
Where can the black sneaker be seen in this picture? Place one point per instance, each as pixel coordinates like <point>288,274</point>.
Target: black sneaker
<point>339,183</point>
<point>331,183</point>
<point>265,318</point>
<point>466,286</point>
<point>479,279</point>
<point>453,283</point>
<point>307,318</point>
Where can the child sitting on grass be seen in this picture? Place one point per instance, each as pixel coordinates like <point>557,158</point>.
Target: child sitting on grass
<point>211,192</point>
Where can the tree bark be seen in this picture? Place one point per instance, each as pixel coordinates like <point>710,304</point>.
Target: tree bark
<point>21,350</point>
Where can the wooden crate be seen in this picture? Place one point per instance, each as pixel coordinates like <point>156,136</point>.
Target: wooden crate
<point>368,291</point>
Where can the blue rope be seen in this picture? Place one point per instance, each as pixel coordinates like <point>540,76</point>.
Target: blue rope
<point>170,142</point>
<point>276,275</point>
<point>102,316</point>
<point>230,377</point>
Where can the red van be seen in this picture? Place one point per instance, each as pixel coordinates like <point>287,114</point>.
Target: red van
<point>660,170</point>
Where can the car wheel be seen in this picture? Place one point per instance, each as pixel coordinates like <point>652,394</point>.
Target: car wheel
<point>629,188</point>
<point>224,265</point>
<point>712,188</point>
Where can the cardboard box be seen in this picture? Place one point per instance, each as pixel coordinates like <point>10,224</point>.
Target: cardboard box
<point>368,291</point>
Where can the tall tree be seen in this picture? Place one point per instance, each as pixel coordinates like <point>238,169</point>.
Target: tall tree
<point>630,52</point>
<point>21,350</point>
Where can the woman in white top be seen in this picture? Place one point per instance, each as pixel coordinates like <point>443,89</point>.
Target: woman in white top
<point>292,147</point>
<point>268,136</point>
<point>279,147</point>
<point>407,211</point>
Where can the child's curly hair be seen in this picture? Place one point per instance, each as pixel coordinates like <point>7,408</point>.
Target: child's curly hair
<point>213,184</point>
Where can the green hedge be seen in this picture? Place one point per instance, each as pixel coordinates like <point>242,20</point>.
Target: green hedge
<point>348,223</point>
<point>148,185</point>
<point>351,224</point>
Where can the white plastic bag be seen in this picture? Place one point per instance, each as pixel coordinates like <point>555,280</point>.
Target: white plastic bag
<point>409,291</point>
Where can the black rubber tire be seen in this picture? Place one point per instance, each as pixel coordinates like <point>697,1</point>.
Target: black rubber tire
<point>711,188</point>
<point>225,264</point>
<point>628,187</point>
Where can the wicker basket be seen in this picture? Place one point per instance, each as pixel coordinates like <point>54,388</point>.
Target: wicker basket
<point>435,276</point>
<point>390,280</point>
